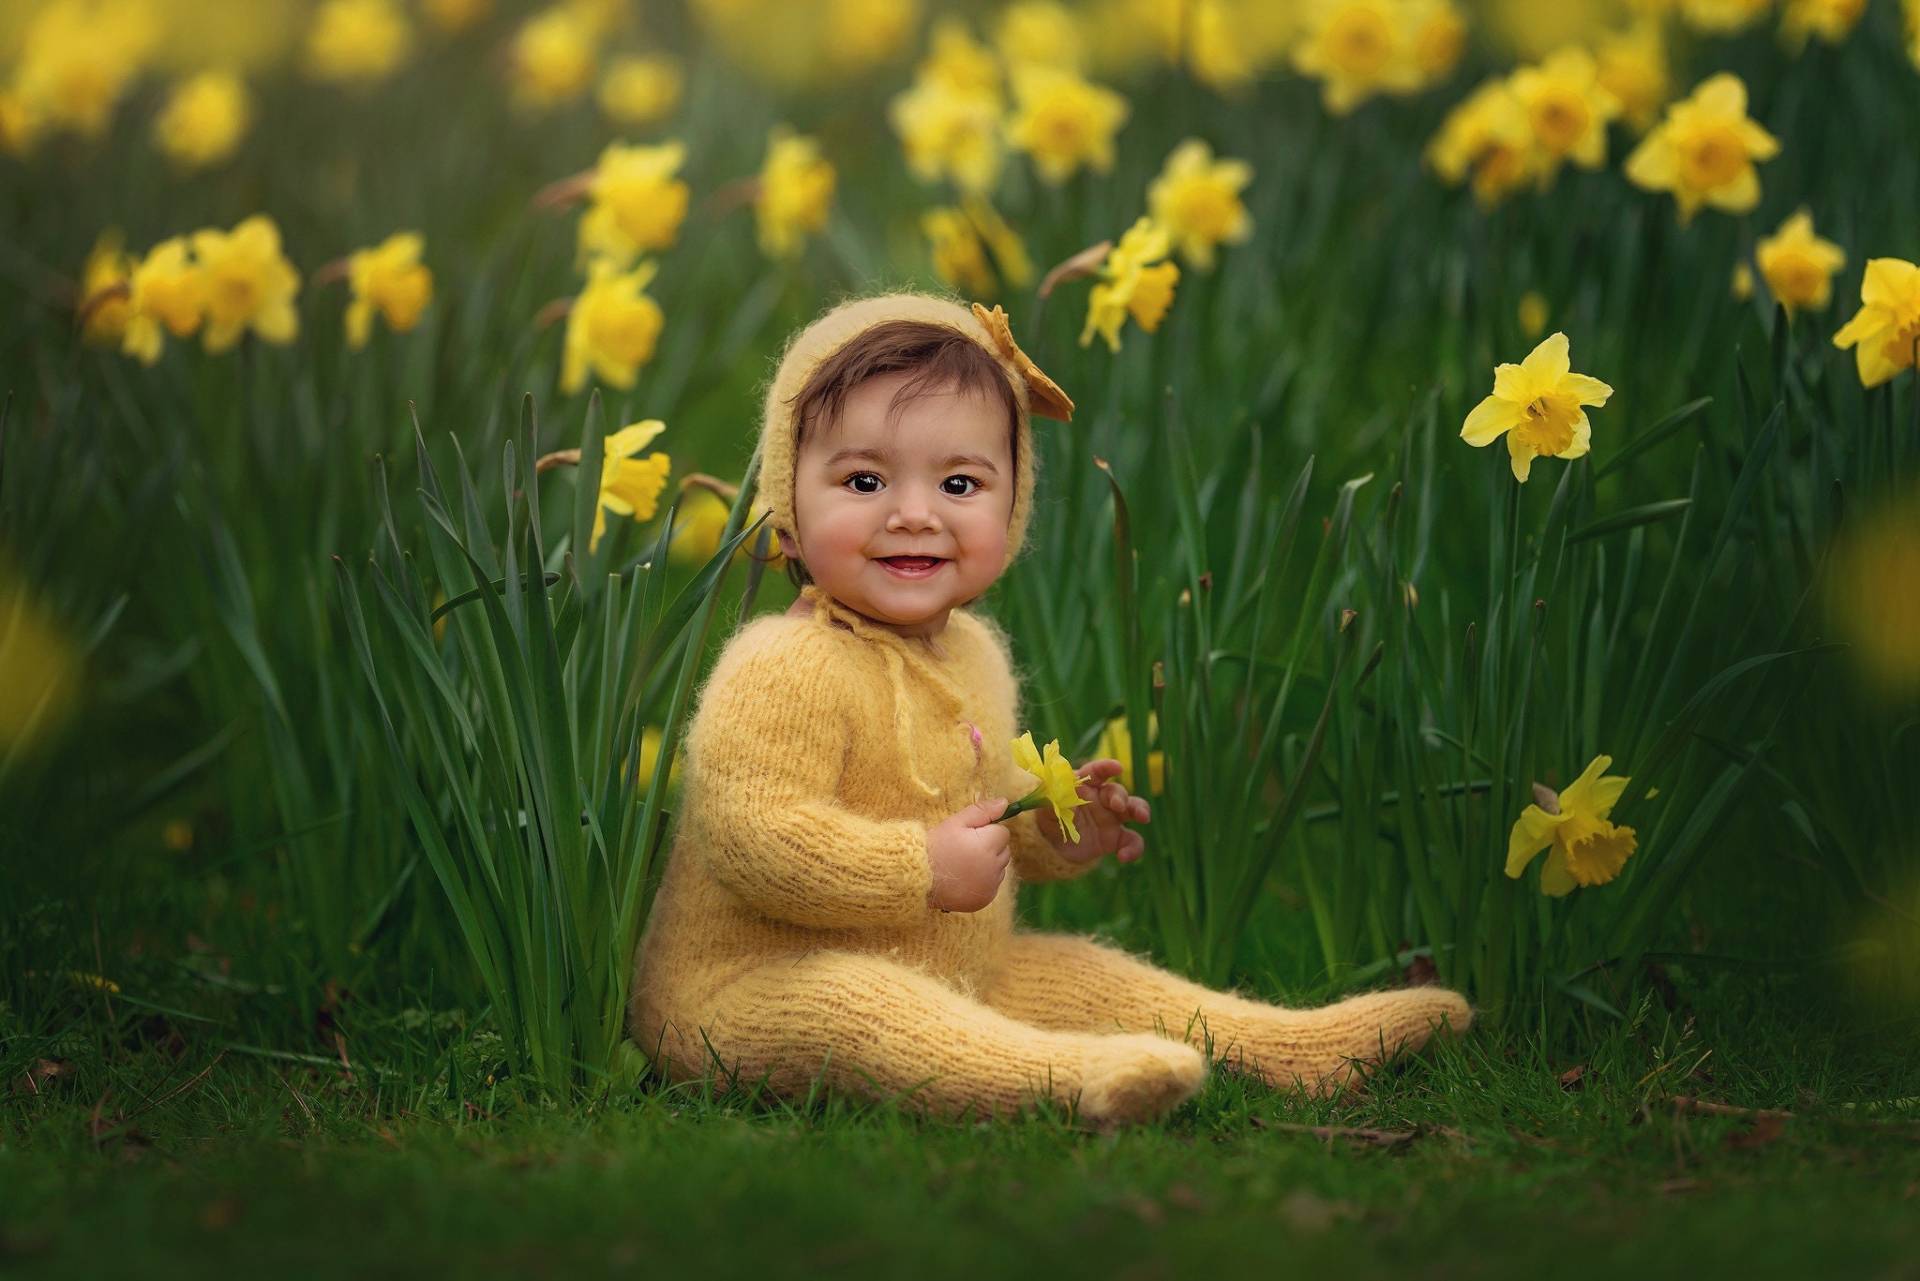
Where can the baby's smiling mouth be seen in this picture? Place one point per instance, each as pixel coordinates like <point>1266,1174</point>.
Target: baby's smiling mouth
<point>916,565</point>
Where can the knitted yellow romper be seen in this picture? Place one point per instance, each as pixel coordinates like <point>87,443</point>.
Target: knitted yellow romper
<point>791,940</point>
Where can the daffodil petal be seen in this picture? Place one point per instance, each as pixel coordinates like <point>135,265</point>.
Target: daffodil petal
<point>1550,360</point>
<point>1556,879</point>
<point>1489,419</point>
<point>1532,832</point>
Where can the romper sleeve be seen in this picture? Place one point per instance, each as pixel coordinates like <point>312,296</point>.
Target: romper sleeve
<point>765,758</point>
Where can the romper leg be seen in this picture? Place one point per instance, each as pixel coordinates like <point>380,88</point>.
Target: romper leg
<point>880,1029</point>
<point>1067,982</point>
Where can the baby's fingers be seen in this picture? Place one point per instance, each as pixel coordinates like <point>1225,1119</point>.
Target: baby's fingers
<point>1132,846</point>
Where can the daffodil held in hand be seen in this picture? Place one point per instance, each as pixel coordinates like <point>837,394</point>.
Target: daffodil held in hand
<point>1064,788</point>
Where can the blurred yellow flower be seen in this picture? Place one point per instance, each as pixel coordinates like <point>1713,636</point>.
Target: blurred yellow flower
<point>1003,242</point>
<point>1058,784</point>
<point>1488,138</point>
<point>1703,152</point>
<point>249,284</point>
<point>1633,68</point>
<point>1064,122</point>
<point>1134,281</point>
<point>1536,404</point>
<point>1742,284</point>
<point>42,667</point>
<point>949,133</point>
<point>552,58</point>
<point>630,485</point>
<point>1911,8</point>
<point>866,33</point>
<point>20,123</point>
<point>1041,33</point>
<point>204,119</point>
<point>1585,849</point>
<point>638,203</point>
<point>357,41</point>
<point>795,193</point>
<point>1567,109</point>
<point>640,89</point>
<point>1799,266</point>
<point>959,254</point>
<point>1722,17</point>
<point>955,60</point>
<point>1870,592</point>
<point>77,58</point>
<point>106,285</point>
<point>392,279</point>
<point>177,835</point>
<point>650,739</point>
<point>1533,314</point>
<point>1356,49</point>
<point>1831,20</point>
<point>1197,199</point>
<point>167,291</point>
<point>1883,332</point>
<point>1116,741</point>
<point>611,328</point>
<point>698,528</point>
<point>1439,37</point>
<point>456,15</point>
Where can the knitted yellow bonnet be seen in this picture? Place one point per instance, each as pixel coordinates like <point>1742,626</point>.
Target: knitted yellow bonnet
<point>1034,392</point>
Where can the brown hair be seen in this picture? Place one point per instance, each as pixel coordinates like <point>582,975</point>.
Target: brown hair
<point>941,358</point>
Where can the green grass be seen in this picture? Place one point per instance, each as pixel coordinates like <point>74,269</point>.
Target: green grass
<point>1475,1160</point>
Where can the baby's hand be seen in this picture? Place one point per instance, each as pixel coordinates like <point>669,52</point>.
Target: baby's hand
<point>1103,822</point>
<point>969,853</point>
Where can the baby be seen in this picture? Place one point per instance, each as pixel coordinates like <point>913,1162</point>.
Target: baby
<point>838,904</point>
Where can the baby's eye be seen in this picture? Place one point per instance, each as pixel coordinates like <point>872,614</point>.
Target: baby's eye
<point>858,477</point>
<point>967,480</point>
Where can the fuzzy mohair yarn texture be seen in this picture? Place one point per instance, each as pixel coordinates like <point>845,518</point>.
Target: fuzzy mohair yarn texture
<point>791,941</point>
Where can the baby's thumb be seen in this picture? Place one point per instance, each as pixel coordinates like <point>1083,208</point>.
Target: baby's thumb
<point>980,813</point>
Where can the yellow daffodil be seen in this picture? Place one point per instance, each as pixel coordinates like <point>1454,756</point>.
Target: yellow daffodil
<point>640,89</point>
<point>167,292</point>
<point>249,282</point>
<point>1197,199</point>
<point>20,122</point>
<point>959,254</point>
<point>630,485</point>
<point>42,667</point>
<point>1567,108</point>
<point>948,133</point>
<point>392,279</point>
<point>106,285</point>
<point>956,61</point>
<point>1003,242</point>
<point>1799,266</point>
<point>698,528</point>
<point>1533,313</point>
<point>552,58</point>
<point>1063,122</point>
<point>1439,37</point>
<point>1039,33</point>
<point>1116,741</point>
<point>1537,405</point>
<point>1875,560</point>
<point>1703,152</point>
<point>1883,332</point>
<point>1911,10</point>
<point>1584,848</point>
<point>638,203</point>
<point>456,15</point>
<point>1356,49</point>
<point>1059,785</point>
<point>77,58</point>
<point>1742,283</point>
<point>795,193</point>
<point>1632,66</point>
<point>859,34</point>
<point>650,740</point>
<point>204,120</point>
<point>1831,20</point>
<point>611,328</point>
<point>1487,139</point>
<point>1134,281</point>
<point>357,41</point>
<point>1722,17</point>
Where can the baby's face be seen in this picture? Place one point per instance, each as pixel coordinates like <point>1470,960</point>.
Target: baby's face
<point>936,482</point>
